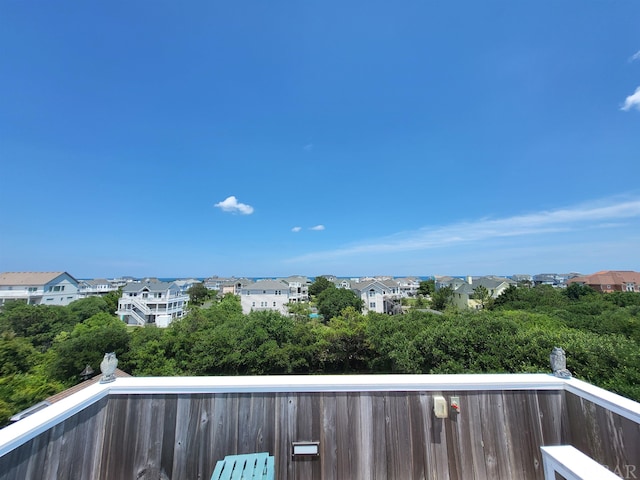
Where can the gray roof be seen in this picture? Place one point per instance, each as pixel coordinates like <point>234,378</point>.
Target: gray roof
<point>489,282</point>
<point>97,281</point>
<point>151,286</point>
<point>267,285</point>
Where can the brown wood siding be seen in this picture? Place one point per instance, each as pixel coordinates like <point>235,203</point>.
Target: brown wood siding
<point>363,435</point>
<point>607,437</point>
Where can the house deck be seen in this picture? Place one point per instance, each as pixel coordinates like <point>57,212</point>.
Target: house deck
<point>368,427</point>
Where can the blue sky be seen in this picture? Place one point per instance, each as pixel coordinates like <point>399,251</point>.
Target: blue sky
<point>258,138</point>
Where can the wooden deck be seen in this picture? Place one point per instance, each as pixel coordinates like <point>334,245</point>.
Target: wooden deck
<point>362,435</point>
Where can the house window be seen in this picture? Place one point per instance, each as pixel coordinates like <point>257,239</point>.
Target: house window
<point>35,289</point>
<point>253,304</point>
<point>274,304</point>
<point>372,304</point>
<point>372,293</point>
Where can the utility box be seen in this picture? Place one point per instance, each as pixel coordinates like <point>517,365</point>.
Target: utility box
<point>440,407</point>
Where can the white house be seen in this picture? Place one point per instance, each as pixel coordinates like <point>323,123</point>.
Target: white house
<point>379,296</point>
<point>298,288</point>
<point>96,287</point>
<point>265,295</point>
<point>408,286</point>
<point>47,288</point>
<point>464,293</point>
<point>155,303</point>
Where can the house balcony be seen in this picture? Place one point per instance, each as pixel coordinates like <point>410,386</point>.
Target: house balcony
<point>524,426</point>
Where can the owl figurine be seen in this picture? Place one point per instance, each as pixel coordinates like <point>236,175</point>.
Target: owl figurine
<point>108,367</point>
<point>559,363</point>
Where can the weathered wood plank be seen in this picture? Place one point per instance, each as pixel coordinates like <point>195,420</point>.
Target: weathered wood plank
<point>168,434</point>
<point>379,435</point>
<point>380,424</point>
<point>460,459</point>
<point>532,422</point>
<point>398,436</point>
<point>514,411</point>
<point>475,433</point>
<point>328,441</point>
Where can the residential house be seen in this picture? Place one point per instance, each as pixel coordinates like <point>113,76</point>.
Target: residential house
<point>216,283</point>
<point>186,283</point>
<point>233,286</point>
<point>464,291</point>
<point>380,296</point>
<point>611,281</point>
<point>265,295</point>
<point>96,287</point>
<point>558,280</point>
<point>446,281</point>
<point>408,286</point>
<point>523,279</point>
<point>152,303</point>
<point>36,288</point>
<point>298,288</point>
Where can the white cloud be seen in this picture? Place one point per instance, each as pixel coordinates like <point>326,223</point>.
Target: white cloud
<point>635,56</point>
<point>308,147</point>
<point>231,204</point>
<point>296,229</point>
<point>632,101</point>
<point>601,215</point>
<point>317,228</point>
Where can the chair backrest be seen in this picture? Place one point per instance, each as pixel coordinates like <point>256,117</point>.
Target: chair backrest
<point>252,466</point>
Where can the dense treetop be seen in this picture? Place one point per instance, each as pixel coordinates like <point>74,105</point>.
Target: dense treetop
<point>44,348</point>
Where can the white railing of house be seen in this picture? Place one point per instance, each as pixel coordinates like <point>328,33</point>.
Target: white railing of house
<point>572,464</point>
<point>141,306</point>
<point>139,318</point>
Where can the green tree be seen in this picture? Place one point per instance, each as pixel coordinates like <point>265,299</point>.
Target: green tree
<point>112,300</point>
<point>482,295</point>
<point>576,290</point>
<point>319,285</point>
<point>299,310</point>
<point>427,287</point>
<point>86,344</point>
<point>149,353</point>
<point>332,301</point>
<point>85,308</point>
<point>442,298</point>
<point>37,323</point>
<point>347,348</point>
<point>17,355</point>
<point>198,293</point>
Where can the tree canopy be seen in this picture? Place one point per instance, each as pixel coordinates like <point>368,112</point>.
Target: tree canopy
<point>43,349</point>
<point>332,301</point>
<point>319,285</point>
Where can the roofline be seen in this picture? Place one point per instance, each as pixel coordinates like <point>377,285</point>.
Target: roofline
<point>24,430</point>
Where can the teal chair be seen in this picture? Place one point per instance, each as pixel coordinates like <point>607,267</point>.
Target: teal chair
<point>253,466</point>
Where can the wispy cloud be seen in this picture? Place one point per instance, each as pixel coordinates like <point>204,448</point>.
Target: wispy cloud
<point>231,204</point>
<point>635,56</point>
<point>296,229</point>
<point>317,228</point>
<point>632,101</point>
<point>308,147</point>
<point>602,215</point>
